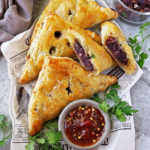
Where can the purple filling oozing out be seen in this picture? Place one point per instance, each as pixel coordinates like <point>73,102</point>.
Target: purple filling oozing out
<point>83,57</point>
<point>118,53</point>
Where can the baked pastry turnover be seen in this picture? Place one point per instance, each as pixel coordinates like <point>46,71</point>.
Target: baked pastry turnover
<point>50,40</point>
<point>84,13</point>
<point>116,44</point>
<point>91,55</point>
<point>61,81</point>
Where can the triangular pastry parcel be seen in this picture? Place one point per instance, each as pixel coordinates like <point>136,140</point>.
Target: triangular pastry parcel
<point>84,13</point>
<point>91,55</point>
<point>61,81</point>
<point>116,44</point>
<point>50,40</point>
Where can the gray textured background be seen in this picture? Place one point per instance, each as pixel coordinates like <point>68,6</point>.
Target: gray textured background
<point>140,93</point>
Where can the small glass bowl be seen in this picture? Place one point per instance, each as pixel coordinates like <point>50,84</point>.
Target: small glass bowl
<point>129,14</point>
<point>74,104</point>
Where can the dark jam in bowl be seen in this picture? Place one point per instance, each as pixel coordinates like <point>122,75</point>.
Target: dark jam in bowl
<point>138,5</point>
<point>134,11</point>
<point>84,125</point>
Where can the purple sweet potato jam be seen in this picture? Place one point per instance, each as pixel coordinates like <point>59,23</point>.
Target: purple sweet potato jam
<point>85,59</point>
<point>138,5</point>
<point>116,50</point>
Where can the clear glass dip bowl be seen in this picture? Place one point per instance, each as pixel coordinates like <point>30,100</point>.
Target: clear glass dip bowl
<point>131,15</point>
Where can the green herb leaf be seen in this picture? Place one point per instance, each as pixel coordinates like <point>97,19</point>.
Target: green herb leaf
<point>145,25</point>
<point>57,147</point>
<point>53,137</point>
<point>141,63</point>
<point>104,106</point>
<point>144,55</point>
<point>120,109</point>
<point>2,143</point>
<point>113,95</point>
<point>138,49</point>
<point>45,146</point>
<point>93,56</point>
<point>30,146</point>
<point>128,110</point>
<point>121,104</point>
<point>41,141</point>
<point>132,40</point>
<point>52,125</point>
<point>137,45</point>
<point>46,139</point>
<point>2,118</point>
<point>4,125</point>
<point>96,98</point>
<point>116,86</point>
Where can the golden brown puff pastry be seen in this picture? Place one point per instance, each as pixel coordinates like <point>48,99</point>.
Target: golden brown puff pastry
<point>91,55</point>
<point>116,44</point>
<point>61,81</point>
<point>84,13</point>
<point>50,40</point>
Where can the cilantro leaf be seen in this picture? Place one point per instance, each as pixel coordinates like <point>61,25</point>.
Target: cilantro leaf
<point>57,147</point>
<point>132,40</point>
<point>104,106</point>
<point>2,143</point>
<point>113,95</point>
<point>2,118</point>
<point>44,146</point>
<point>30,146</point>
<point>52,125</point>
<point>137,45</point>
<point>128,110</point>
<point>96,98</point>
<point>120,109</point>
<point>141,63</point>
<point>143,57</point>
<point>4,125</point>
<point>53,137</point>
<point>41,141</point>
<point>46,139</point>
<point>138,49</point>
<point>116,86</point>
<point>144,25</point>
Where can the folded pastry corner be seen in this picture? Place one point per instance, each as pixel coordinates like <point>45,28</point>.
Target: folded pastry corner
<point>116,44</point>
<point>50,40</point>
<point>84,13</point>
<point>91,55</point>
<point>61,81</point>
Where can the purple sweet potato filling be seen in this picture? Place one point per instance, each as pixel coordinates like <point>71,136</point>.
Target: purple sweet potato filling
<point>85,59</point>
<point>117,52</point>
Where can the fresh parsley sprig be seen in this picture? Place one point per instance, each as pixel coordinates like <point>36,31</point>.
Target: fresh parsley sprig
<point>120,108</point>
<point>137,42</point>
<point>4,125</point>
<point>46,139</point>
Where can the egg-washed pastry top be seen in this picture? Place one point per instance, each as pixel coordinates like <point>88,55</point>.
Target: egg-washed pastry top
<point>61,81</point>
<point>50,40</point>
<point>116,44</point>
<point>84,13</point>
<point>92,56</point>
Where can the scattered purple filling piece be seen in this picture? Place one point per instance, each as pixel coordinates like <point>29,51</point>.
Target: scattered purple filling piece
<point>83,57</point>
<point>118,53</point>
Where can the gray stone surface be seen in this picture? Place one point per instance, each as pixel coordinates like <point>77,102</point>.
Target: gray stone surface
<point>140,94</point>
